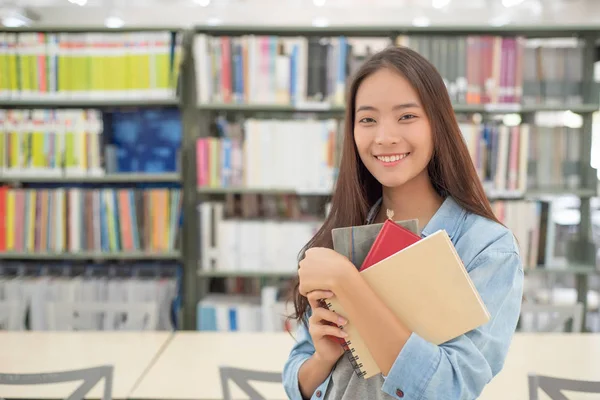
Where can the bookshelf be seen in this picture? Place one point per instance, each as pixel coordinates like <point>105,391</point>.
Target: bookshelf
<point>207,111</point>
<point>90,178</point>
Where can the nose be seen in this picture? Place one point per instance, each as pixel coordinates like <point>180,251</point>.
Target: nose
<point>386,135</point>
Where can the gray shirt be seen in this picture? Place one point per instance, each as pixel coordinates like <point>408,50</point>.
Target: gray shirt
<point>346,384</point>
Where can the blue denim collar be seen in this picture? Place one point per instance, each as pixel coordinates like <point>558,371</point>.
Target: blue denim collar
<point>448,217</point>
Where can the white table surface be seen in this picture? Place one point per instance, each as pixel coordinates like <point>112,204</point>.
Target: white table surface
<point>188,368</point>
<point>572,356</point>
<point>36,352</point>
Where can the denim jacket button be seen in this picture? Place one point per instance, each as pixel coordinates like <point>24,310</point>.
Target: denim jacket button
<point>319,393</point>
<point>399,393</point>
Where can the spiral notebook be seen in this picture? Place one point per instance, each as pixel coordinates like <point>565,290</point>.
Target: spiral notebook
<point>428,288</point>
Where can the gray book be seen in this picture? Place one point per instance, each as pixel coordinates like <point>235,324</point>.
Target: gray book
<point>354,242</point>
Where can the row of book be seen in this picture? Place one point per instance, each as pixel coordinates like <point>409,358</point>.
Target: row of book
<point>90,300</point>
<point>70,220</point>
<point>509,159</point>
<point>300,71</point>
<point>244,313</point>
<point>114,65</point>
<point>51,142</point>
<point>513,159</point>
<point>270,154</point>
<point>500,69</point>
<point>235,244</point>
<point>541,238</point>
<point>87,142</point>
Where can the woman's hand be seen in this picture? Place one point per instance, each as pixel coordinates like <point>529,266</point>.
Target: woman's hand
<point>323,323</point>
<point>323,269</point>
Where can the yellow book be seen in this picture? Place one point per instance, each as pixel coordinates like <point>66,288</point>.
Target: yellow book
<point>145,69</point>
<point>25,65</point>
<point>81,140</point>
<point>4,92</point>
<point>38,138</point>
<point>96,63</point>
<point>13,83</point>
<point>3,141</point>
<point>63,64</point>
<point>76,65</point>
<point>10,219</point>
<point>16,151</point>
<point>71,160</point>
<point>87,63</point>
<point>162,62</point>
<point>106,63</point>
<point>111,83</point>
<point>123,62</point>
<point>129,73</point>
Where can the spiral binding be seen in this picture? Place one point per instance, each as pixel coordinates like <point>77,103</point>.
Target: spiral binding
<point>349,350</point>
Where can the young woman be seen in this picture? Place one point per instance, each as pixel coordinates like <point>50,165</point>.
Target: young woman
<point>403,151</point>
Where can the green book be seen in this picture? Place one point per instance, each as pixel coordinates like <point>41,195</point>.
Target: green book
<point>355,242</point>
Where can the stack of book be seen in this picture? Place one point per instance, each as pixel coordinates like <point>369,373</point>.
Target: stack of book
<point>422,280</point>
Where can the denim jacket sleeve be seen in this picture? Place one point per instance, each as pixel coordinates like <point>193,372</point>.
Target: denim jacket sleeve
<point>460,368</point>
<point>302,350</point>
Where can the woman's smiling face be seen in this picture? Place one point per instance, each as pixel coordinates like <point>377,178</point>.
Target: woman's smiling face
<point>391,130</point>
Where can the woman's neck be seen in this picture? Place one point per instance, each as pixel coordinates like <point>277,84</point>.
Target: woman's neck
<point>415,199</point>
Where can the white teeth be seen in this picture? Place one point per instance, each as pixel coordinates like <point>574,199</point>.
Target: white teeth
<point>393,158</point>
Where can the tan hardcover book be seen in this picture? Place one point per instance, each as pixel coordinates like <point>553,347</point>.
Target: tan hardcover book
<point>428,288</point>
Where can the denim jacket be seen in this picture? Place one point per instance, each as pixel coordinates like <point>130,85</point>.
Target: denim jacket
<point>459,368</point>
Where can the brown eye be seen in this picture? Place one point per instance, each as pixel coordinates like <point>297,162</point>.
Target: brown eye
<point>407,117</point>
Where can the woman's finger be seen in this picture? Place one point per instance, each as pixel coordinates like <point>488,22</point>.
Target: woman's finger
<point>315,296</point>
<point>324,314</point>
<point>319,294</point>
<point>327,330</point>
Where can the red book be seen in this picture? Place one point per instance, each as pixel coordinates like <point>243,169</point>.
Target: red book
<point>391,239</point>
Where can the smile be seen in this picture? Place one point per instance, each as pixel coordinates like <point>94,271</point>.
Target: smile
<point>392,158</point>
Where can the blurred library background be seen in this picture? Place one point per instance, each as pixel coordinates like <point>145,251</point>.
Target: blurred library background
<point>162,162</point>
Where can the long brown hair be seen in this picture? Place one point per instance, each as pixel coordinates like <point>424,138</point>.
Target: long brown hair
<point>450,169</point>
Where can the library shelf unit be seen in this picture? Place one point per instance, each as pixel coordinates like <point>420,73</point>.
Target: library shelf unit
<point>107,80</point>
<point>199,108</point>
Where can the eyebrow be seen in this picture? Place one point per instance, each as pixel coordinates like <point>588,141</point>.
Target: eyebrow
<point>396,107</point>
